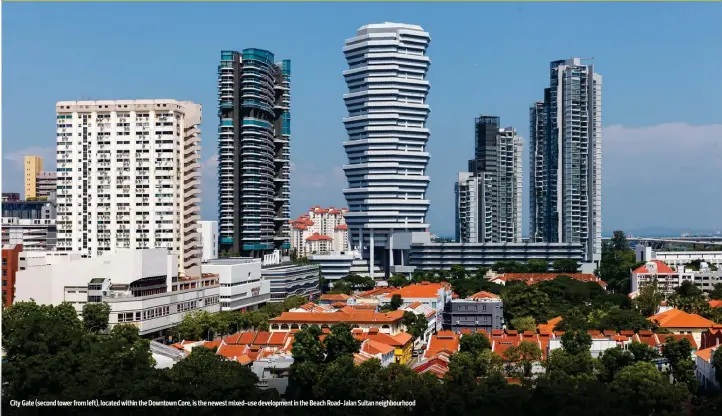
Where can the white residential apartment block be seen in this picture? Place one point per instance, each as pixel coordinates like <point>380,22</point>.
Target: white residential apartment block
<point>675,259</point>
<point>320,231</point>
<point>566,159</point>
<point>209,240</point>
<point>142,287</point>
<point>668,279</point>
<point>472,220</point>
<point>128,177</point>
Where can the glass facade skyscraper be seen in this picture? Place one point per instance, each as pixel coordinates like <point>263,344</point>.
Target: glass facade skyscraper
<point>253,153</point>
<point>566,159</point>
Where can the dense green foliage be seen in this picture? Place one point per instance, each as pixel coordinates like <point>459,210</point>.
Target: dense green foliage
<point>202,325</point>
<point>51,355</point>
<point>618,259</point>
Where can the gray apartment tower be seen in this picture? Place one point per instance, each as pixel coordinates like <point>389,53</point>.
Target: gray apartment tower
<point>253,153</point>
<point>565,143</point>
<point>488,196</point>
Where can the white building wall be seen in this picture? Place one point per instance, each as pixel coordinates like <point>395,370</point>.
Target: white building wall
<point>209,240</point>
<point>387,134</point>
<point>241,283</point>
<point>128,177</point>
<point>56,277</point>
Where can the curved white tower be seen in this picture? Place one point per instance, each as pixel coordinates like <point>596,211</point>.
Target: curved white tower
<point>387,139</point>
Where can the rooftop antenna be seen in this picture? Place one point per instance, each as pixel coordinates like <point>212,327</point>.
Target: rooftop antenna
<point>589,58</point>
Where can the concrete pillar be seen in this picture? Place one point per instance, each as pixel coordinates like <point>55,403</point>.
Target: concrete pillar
<point>391,250</point>
<point>371,253</point>
<point>361,240</point>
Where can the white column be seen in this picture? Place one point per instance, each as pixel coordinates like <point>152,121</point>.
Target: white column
<point>391,249</point>
<point>371,253</point>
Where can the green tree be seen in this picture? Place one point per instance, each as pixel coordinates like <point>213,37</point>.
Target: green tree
<point>358,282</point>
<point>521,358</point>
<point>643,390</point>
<point>458,272</point>
<point>576,342</point>
<point>681,364</point>
<point>415,324</point>
<point>340,342</point>
<point>717,365</point>
<point>523,323</point>
<point>509,267</point>
<point>579,366</point>
<point>396,302</point>
<point>649,299</point>
<point>308,358</point>
<point>537,266</point>
<point>642,352</point>
<point>341,286</point>
<point>619,320</point>
<point>617,261</point>
<point>489,363</point>
<point>96,316</point>
<point>523,300</point>
<point>612,361</point>
<point>688,298</point>
<point>474,343</point>
<point>398,280</point>
<point>716,292</point>
<point>566,266</point>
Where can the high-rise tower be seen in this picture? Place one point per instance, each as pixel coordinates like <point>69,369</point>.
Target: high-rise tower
<point>254,135</point>
<point>129,177</point>
<point>387,138</point>
<point>566,158</point>
<point>489,195</point>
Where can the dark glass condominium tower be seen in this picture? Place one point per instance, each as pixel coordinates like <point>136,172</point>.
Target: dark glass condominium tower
<point>566,159</point>
<point>253,153</point>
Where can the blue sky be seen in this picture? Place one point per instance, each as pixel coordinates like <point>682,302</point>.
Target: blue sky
<point>660,62</point>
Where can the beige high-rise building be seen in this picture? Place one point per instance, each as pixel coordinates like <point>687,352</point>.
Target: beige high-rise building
<point>137,185</point>
<point>33,167</point>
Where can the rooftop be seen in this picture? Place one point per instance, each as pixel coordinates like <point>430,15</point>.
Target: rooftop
<point>661,268</point>
<point>349,316</point>
<point>531,278</point>
<point>419,290</point>
<point>675,318</point>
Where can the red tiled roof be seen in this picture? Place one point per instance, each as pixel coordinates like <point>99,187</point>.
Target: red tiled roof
<point>377,291</point>
<point>262,338</point>
<point>335,297</point>
<point>356,316</point>
<point>375,347</point>
<point>483,295</point>
<point>706,354</point>
<point>715,303</point>
<point>419,290</point>
<point>341,227</point>
<point>548,327</point>
<point>531,278</point>
<point>661,268</point>
<point>318,237</point>
<point>444,341</point>
<point>675,318</point>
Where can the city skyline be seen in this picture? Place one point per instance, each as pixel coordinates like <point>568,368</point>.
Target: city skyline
<point>642,131</point>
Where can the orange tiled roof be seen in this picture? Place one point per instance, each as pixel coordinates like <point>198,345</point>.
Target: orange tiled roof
<point>531,278</point>
<point>398,340</point>
<point>318,237</point>
<point>675,318</point>
<point>444,341</point>
<point>341,227</point>
<point>715,303</point>
<point>419,290</point>
<point>335,297</point>
<point>377,291</point>
<point>706,354</point>
<point>231,351</point>
<point>483,295</point>
<point>661,268</point>
<point>678,337</point>
<point>548,327</point>
<point>356,316</point>
<point>375,347</point>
